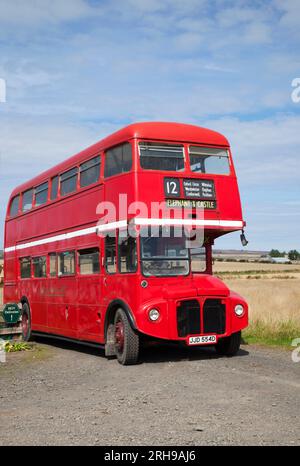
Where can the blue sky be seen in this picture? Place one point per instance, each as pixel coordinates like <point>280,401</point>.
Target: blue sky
<point>76,70</point>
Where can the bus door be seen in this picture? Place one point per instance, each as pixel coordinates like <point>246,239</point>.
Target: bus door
<point>62,294</point>
<point>120,267</point>
<point>89,294</point>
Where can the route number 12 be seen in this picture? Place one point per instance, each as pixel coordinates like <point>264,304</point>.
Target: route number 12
<point>172,187</point>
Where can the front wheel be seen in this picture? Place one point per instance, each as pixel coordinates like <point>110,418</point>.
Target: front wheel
<point>26,323</point>
<point>229,346</point>
<point>127,342</point>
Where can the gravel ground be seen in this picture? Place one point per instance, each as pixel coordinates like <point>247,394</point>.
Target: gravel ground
<point>63,394</point>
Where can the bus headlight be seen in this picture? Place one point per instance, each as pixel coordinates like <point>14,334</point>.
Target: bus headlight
<point>154,314</point>
<point>239,310</point>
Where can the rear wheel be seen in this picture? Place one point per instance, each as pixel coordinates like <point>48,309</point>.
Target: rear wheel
<point>229,346</point>
<point>127,342</point>
<point>26,323</point>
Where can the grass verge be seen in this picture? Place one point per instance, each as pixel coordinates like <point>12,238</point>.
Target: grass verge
<point>279,334</point>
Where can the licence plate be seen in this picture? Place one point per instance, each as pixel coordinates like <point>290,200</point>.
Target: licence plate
<point>202,340</point>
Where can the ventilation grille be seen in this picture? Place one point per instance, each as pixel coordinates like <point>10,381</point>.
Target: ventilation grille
<point>214,317</point>
<point>188,318</point>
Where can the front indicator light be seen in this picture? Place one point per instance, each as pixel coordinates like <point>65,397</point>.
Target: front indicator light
<point>239,310</point>
<point>154,315</point>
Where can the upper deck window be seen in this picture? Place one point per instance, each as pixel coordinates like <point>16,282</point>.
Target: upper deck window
<point>14,206</point>
<point>90,172</point>
<point>27,199</point>
<point>209,160</point>
<point>68,181</point>
<point>41,194</point>
<point>118,160</point>
<point>161,157</point>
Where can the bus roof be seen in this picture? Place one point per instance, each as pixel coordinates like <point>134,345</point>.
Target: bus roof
<point>177,132</point>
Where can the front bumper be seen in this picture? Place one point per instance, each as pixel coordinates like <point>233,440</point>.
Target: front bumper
<point>182,319</point>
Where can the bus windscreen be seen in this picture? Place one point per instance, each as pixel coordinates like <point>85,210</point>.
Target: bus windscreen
<point>209,160</point>
<point>163,252</point>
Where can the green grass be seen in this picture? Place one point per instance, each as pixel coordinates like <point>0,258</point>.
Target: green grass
<point>13,347</point>
<point>276,334</point>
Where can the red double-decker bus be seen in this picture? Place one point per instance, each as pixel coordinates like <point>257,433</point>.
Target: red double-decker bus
<point>97,249</point>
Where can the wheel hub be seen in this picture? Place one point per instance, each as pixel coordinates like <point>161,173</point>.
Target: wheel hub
<point>119,335</point>
<point>25,324</point>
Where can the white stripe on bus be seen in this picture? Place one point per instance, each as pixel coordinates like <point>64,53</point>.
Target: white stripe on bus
<point>123,224</point>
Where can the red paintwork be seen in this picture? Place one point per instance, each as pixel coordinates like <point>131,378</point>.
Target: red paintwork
<point>76,306</point>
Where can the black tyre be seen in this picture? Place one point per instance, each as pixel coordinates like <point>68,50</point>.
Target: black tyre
<point>26,323</point>
<point>229,346</point>
<point>127,342</point>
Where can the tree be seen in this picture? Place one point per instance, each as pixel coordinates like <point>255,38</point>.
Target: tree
<point>276,253</point>
<point>294,255</point>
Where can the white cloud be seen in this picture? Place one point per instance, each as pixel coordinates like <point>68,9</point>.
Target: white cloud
<point>230,17</point>
<point>257,33</point>
<point>34,12</point>
<point>290,13</point>
<point>265,151</point>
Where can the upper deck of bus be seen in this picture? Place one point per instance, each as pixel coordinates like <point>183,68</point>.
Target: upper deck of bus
<point>159,136</point>
<point>159,131</point>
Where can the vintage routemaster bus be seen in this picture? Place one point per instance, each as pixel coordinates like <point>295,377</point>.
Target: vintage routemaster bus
<point>78,272</point>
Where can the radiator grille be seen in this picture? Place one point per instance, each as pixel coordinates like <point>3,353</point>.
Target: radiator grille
<point>214,316</point>
<point>188,318</point>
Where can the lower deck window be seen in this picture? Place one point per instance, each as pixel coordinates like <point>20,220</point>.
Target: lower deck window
<point>52,264</point>
<point>39,267</point>
<point>89,262</point>
<point>25,267</point>
<point>66,263</point>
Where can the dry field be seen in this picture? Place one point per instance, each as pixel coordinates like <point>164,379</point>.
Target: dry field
<point>257,266</point>
<point>273,294</point>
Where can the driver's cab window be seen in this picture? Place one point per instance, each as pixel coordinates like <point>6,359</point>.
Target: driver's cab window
<point>110,254</point>
<point>127,254</point>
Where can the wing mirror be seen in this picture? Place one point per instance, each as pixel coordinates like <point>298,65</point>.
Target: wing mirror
<point>243,239</point>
